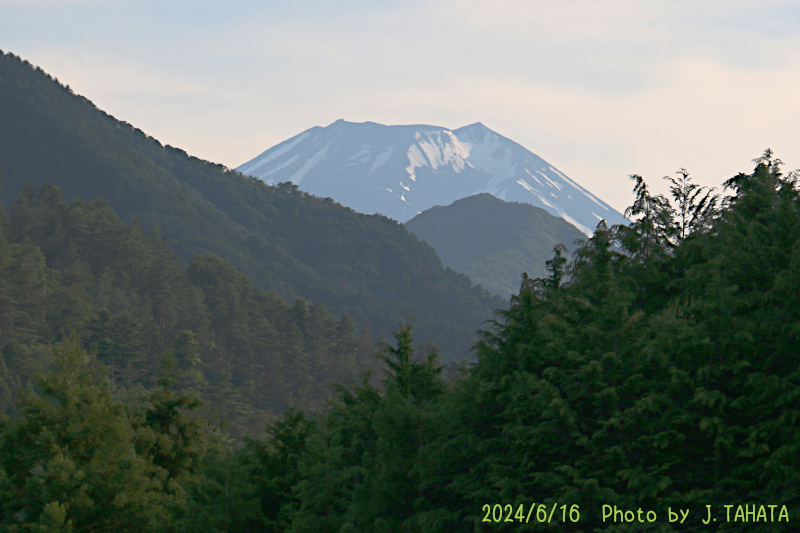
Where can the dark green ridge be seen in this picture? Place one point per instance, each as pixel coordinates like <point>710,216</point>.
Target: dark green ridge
<point>283,239</point>
<point>493,241</point>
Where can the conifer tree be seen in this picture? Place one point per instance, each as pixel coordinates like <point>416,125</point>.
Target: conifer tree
<point>696,205</point>
<point>71,460</point>
<point>385,500</point>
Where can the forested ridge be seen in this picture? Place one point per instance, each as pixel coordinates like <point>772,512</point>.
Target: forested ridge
<point>493,241</point>
<point>283,239</point>
<point>128,301</point>
<point>656,369</point>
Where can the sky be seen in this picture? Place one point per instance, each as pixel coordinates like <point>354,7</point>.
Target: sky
<point>600,89</point>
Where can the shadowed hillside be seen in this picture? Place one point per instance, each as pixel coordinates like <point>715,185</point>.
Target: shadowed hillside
<point>283,239</point>
<point>492,241</point>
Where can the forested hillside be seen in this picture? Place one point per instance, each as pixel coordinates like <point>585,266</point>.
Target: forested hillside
<point>126,298</point>
<point>492,241</point>
<point>283,239</point>
<point>658,370</point>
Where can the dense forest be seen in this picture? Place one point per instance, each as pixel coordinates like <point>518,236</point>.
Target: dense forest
<point>657,370</point>
<point>284,240</point>
<point>76,271</point>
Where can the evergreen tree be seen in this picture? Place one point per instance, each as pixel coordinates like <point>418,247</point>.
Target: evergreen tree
<point>278,470</point>
<point>71,460</point>
<point>696,206</point>
<point>386,499</point>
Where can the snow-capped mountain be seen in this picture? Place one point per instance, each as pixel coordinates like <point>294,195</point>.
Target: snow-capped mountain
<point>400,171</point>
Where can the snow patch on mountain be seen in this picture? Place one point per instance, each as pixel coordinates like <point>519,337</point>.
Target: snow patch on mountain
<point>380,159</point>
<point>313,161</point>
<point>534,177</point>
<point>415,160</point>
<point>359,156</point>
<point>280,167</point>
<point>273,153</point>
<point>575,223</point>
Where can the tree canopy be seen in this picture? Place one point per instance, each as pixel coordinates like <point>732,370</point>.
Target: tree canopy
<point>657,368</point>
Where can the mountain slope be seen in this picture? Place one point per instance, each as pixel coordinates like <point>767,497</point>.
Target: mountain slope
<point>400,171</point>
<point>492,241</point>
<point>127,300</point>
<point>283,239</point>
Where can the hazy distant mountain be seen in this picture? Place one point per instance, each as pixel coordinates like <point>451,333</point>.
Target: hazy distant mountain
<point>400,171</point>
<point>492,241</point>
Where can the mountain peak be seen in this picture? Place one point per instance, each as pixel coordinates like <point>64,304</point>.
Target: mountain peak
<point>346,123</point>
<point>400,171</point>
<point>475,125</point>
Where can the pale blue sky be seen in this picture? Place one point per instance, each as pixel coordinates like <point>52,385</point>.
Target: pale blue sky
<point>600,89</point>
